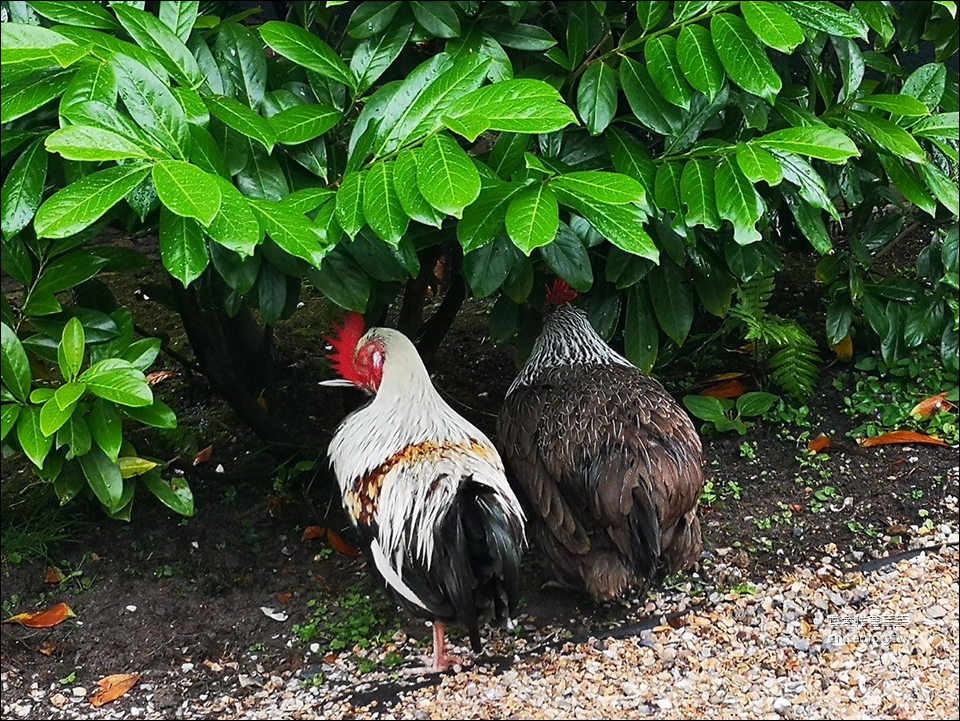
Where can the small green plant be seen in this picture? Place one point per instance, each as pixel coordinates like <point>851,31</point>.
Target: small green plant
<point>748,451</point>
<point>916,494</point>
<point>713,492</point>
<point>285,476</point>
<point>723,414</point>
<point>69,679</point>
<point>744,589</point>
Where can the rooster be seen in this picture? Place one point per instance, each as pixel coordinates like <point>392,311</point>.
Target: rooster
<point>425,489</point>
<point>608,463</point>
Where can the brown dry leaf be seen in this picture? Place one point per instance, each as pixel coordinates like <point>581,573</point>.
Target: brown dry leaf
<point>54,575</point>
<point>844,349</point>
<point>213,666</point>
<point>47,648</point>
<point>113,687</point>
<point>43,619</point>
<point>159,377</point>
<point>284,597</point>
<point>796,508</point>
<point>819,443</point>
<point>901,437</point>
<point>931,405</point>
<point>203,456</point>
<point>336,540</point>
<point>262,402</point>
<point>729,388</point>
<point>311,532</point>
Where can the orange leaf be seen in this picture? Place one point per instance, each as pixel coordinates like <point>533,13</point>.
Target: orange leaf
<point>159,377</point>
<point>313,532</point>
<point>931,405</point>
<point>43,619</point>
<point>336,540</point>
<point>54,575</point>
<point>113,687</point>
<point>284,597</point>
<point>47,648</point>
<point>262,402</point>
<point>844,349</point>
<point>901,437</point>
<point>796,507</point>
<point>731,388</point>
<point>203,456</point>
<point>819,443</point>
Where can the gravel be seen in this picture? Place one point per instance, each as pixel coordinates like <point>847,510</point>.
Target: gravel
<point>817,643</point>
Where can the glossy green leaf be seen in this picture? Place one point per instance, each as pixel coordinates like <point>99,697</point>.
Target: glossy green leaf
<point>927,84</point>
<point>142,353</point>
<point>523,105</point>
<point>187,190</point>
<point>597,97</point>
<point>827,17</point>
<point>82,203</point>
<point>812,187</point>
<point>809,221</point>
<point>905,105</point>
<point>95,81</point>
<point>104,478</point>
<point>71,349</point>
<point>909,185</point>
<point>175,494</point>
<point>235,226</point>
<point>303,122</point>
<point>757,164</point>
<point>53,416</point>
<point>646,102</point>
<point>242,119</point>
<point>158,414</point>
<point>649,14</point>
<point>375,54</point>
<point>775,27</point>
<point>486,268</point>
<point>699,195</point>
<point>14,363</point>
<point>182,248</point>
<point>533,217</point>
<point>371,18</point>
<point>381,203</point>
<point>437,18</point>
<point>447,176</point>
<point>106,427</point>
<point>153,35</point>
<point>151,104</point>
<point>665,70</point>
<point>484,220</point>
<point>667,187</point>
<point>942,186</point>
<point>672,301</point>
<point>84,142</point>
<point>81,14</point>
<point>349,208</point>
<point>738,202</point>
<point>179,17</point>
<point>622,225</point>
<point>631,158</point>
<point>641,339</point>
<point>817,142</point>
<point>293,232</point>
<point>568,258</point>
<point>604,187</point>
<point>343,281</point>
<point>116,380</point>
<point>242,64</point>
<point>23,189</point>
<point>306,49</point>
<point>34,443</point>
<point>411,199</point>
<point>743,57</point>
<point>24,98</point>
<point>8,419</point>
<point>522,36</point>
<point>699,60</point>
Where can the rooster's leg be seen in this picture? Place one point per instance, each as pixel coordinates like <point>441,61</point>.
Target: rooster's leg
<point>441,661</point>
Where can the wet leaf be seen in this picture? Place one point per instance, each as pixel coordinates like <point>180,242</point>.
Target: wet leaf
<point>113,687</point>
<point>902,437</point>
<point>311,532</point>
<point>203,456</point>
<point>43,619</point>
<point>819,443</point>
<point>931,405</point>
<point>336,540</point>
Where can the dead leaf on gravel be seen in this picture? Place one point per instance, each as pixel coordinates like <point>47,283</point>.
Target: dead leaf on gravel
<point>203,456</point>
<point>336,540</point>
<point>931,405</point>
<point>311,532</point>
<point>901,437</point>
<point>54,575</point>
<point>43,619</point>
<point>159,377</point>
<point>213,666</point>
<point>113,687</point>
<point>819,443</point>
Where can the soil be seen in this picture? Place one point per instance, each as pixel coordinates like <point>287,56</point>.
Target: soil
<point>162,591</point>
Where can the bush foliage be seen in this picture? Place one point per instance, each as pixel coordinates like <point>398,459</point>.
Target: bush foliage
<point>658,156</point>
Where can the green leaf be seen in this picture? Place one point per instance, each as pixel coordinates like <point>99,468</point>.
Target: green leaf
<point>743,57</point>
<point>158,414</point>
<point>523,105</point>
<point>484,220</point>
<point>411,199</point>
<point>152,105</point>
<point>927,84</point>
<point>241,64</point>
<point>371,18</point>
<point>665,70</point>
<point>142,353</point>
<point>809,221</point>
<point>53,416</point>
<point>899,104</point>
<point>83,142</point>
<point>437,18</point>
<point>522,36</point>
<point>23,189</point>
<point>342,280</point>
<point>175,493</point>
<point>83,202</point>
<point>306,49</point>
<point>597,97</point>
<point>375,54</point>
<point>738,202</point>
<point>812,187</point>
<point>179,17</point>
<point>756,403</point>
<point>942,186</point>
<point>705,408</point>
<point>604,187</point>
<point>885,135</point>
<point>757,164</point>
<point>81,14</point>
<point>235,226</point>
<point>186,190</point>
<point>622,225</point>
<point>641,339</point>
<point>533,217</point>
<point>132,466</point>
<point>446,175</point>
<point>106,427</point>
<point>630,158</point>
<point>825,16</point>
<point>24,98</point>
<point>699,195</point>
<point>349,208</point>
<point>8,418</point>
<point>775,27</point>
<point>817,142</point>
<point>292,231</point>
<point>71,349</point>
<point>241,118</point>
<point>34,443</point>
<point>649,14</point>
<point>381,203</point>
<point>104,478</point>
<point>486,268</point>
<point>14,365</point>
<point>672,301</point>
<point>303,122</point>
<point>182,248</point>
<point>116,380</point>
<point>646,102</point>
<point>153,35</point>
<point>568,258</point>
<point>942,125</point>
<point>699,60</point>
<point>908,184</point>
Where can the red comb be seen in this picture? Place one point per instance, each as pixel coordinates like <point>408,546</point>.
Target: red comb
<point>561,293</point>
<point>344,340</point>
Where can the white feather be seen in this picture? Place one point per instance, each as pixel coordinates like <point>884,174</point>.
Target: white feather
<point>391,576</point>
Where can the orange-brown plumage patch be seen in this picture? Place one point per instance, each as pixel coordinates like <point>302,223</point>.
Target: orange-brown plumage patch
<point>363,498</point>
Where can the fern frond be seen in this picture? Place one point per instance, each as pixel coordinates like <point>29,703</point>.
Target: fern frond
<point>796,366</point>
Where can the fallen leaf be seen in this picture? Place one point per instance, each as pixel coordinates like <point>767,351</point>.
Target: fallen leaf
<point>262,402</point>
<point>47,648</point>
<point>284,597</point>
<point>43,619</point>
<point>95,557</point>
<point>931,405</point>
<point>311,532</point>
<point>275,615</point>
<point>113,687</point>
<point>336,540</point>
<point>159,377</point>
<point>844,349</point>
<point>819,443</point>
<point>54,575</point>
<point>203,456</point>
<point>730,388</point>
<point>796,508</point>
<point>213,666</point>
<point>902,437</point>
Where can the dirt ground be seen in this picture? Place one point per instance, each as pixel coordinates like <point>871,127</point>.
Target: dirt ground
<point>163,591</point>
